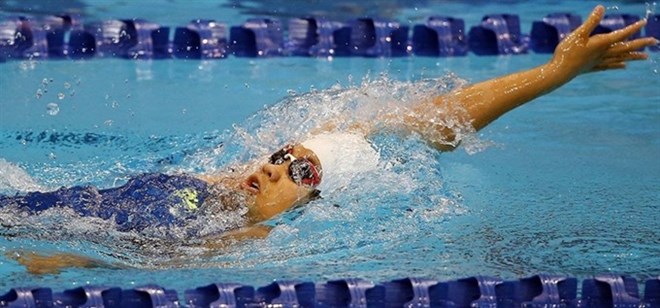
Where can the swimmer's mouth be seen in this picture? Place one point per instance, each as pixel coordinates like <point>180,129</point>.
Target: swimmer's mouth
<point>251,184</point>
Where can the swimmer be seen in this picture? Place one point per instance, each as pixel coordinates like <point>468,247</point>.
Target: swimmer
<point>300,172</point>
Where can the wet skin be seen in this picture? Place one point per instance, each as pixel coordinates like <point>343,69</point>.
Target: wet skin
<point>273,189</point>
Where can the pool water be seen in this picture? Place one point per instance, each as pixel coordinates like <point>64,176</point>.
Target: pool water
<point>566,184</point>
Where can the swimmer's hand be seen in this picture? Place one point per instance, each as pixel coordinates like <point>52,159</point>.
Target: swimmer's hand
<point>42,264</point>
<point>581,53</point>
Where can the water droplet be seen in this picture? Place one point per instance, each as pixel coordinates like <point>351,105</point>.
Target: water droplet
<point>115,104</point>
<point>108,123</point>
<point>72,93</point>
<point>107,97</point>
<point>52,109</point>
<point>67,85</point>
<point>44,81</point>
<point>52,155</point>
<point>61,95</point>
<point>128,95</point>
<point>39,94</point>
<point>291,92</point>
<point>247,85</point>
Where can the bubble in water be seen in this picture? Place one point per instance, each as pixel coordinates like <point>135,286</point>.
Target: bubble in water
<point>72,93</point>
<point>28,65</point>
<point>115,104</point>
<point>61,95</point>
<point>108,123</point>
<point>107,97</point>
<point>67,85</point>
<point>39,94</point>
<point>52,155</point>
<point>247,85</point>
<point>52,109</point>
<point>44,81</point>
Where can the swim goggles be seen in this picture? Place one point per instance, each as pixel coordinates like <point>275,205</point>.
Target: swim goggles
<point>301,170</point>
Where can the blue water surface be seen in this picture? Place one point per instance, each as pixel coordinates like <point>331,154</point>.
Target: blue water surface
<point>566,184</point>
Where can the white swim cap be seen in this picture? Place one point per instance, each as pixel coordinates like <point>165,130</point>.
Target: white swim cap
<point>342,156</point>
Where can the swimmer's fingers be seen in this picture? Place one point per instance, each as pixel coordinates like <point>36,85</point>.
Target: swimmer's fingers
<point>608,66</point>
<point>633,45</point>
<point>591,23</point>
<point>618,61</point>
<point>624,57</point>
<point>622,34</point>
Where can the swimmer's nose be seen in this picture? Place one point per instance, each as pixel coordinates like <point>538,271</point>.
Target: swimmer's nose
<point>272,172</point>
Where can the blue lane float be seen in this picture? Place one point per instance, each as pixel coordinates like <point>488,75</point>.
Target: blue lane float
<point>547,33</point>
<point>21,38</point>
<point>378,38</point>
<point>652,28</point>
<point>57,27</point>
<point>441,36</point>
<point>538,291</point>
<point>498,34</point>
<point>257,37</point>
<point>317,37</point>
<point>652,292</point>
<point>147,40</point>
<point>200,39</point>
<point>65,36</point>
<point>607,290</point>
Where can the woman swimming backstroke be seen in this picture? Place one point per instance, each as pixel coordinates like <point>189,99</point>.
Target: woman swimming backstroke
<point>300,172</point>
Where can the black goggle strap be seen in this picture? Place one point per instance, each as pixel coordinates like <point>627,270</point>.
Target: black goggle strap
<point>280,156</point>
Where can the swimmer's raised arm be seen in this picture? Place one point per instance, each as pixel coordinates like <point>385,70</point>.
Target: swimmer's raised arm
<point>577,54</point>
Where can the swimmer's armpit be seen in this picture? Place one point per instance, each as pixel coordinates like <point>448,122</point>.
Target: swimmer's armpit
<point>44,264</point>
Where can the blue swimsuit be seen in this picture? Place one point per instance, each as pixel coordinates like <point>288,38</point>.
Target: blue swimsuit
<point>149,200</point>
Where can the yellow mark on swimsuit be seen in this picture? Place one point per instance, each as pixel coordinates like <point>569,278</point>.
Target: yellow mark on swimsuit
<point>189,197</point>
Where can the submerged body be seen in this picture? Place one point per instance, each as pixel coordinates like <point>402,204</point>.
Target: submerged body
<point>148,200</point>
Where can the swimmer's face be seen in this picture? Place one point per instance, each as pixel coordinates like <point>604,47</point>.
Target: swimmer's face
<point>275,190</point>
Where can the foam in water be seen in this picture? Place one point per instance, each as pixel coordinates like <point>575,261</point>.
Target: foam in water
<point>14,178</point>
